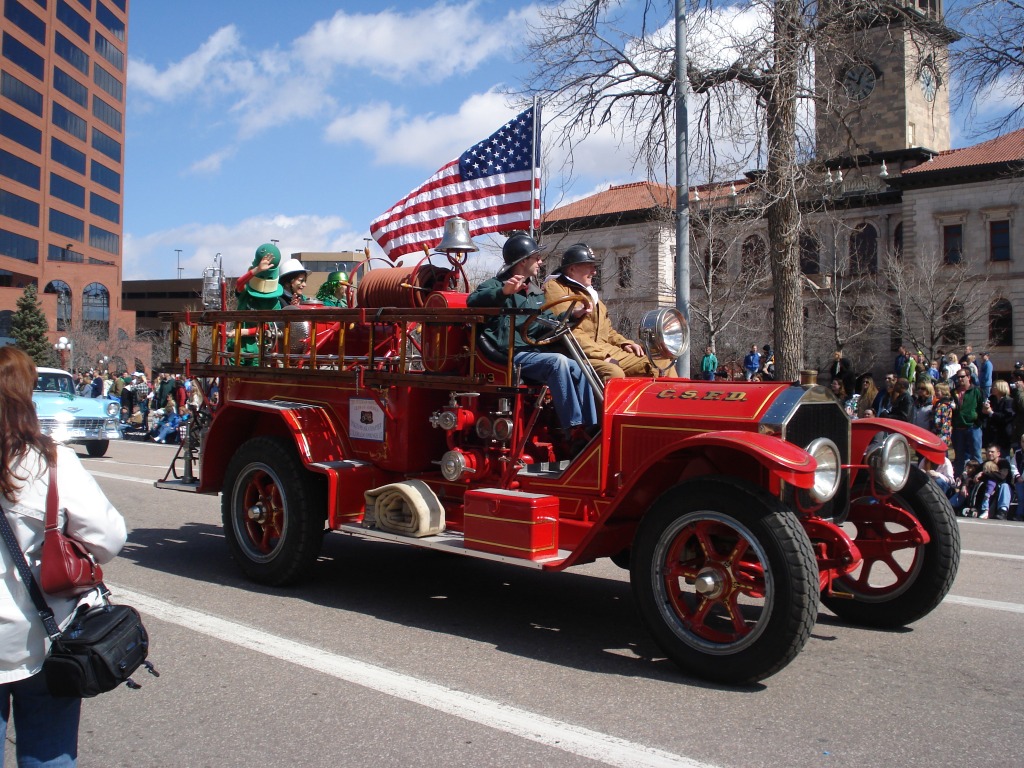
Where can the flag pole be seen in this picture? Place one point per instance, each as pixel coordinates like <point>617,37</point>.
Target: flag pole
<point>534,167</point>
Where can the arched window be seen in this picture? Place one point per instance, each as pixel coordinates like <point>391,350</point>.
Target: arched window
<point>96,308</point>
<point>63,291</point>
<point>1000,323</point>
<point>897,241</point>
<point>754,254</point>
<point>954,329</point>
<point>864,250</point>
<point>810,254</point>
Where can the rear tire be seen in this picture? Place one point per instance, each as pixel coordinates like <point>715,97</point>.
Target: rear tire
<point>273,510</point>
<point>725,580</point>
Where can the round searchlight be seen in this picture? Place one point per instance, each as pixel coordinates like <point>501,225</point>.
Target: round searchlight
<point>664,333</point>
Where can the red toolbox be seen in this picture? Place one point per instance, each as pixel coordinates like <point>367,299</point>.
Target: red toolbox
<point>511,523</point>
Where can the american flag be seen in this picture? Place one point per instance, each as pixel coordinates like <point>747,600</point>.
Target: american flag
<point>490,185</point>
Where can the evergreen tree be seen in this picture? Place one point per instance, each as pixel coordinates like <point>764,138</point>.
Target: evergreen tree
<point>29,327</point>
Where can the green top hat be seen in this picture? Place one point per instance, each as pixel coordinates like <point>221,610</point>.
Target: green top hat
<point>264,285</point>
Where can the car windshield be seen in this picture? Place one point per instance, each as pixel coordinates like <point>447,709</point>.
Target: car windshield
<point>54,382</point>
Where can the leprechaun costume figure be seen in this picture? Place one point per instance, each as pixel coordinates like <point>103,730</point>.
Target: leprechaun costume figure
<point>332,292</point>
<point>257,289</point>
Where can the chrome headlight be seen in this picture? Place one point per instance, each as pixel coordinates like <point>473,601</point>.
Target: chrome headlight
<point>113,408</point>
<point>829,470</point>
<point>664,333</point>
<point>890,463</point>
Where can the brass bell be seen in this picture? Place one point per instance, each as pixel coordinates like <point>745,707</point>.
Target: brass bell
<point>456,237</point>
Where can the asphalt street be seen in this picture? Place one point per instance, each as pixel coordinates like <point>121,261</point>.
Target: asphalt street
<point>391,656</point>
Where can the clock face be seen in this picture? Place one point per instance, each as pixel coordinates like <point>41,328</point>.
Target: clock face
<point>929,83</point>
<point>859,81</point>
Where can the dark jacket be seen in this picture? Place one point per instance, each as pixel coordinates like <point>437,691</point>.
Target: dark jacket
<point>489,294</point>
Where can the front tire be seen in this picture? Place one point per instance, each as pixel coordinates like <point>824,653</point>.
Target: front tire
<point>96,448</point>
<point>273,511</point>
<point>725,580</point>
<point>900,580</point>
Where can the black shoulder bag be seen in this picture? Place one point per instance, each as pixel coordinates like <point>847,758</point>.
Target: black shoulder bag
<point>101,646</point>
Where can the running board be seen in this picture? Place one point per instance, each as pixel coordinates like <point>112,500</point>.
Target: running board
<point>178,485</point>
<point>448,541</point>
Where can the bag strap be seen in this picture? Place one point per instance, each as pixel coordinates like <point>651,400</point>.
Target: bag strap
<point>18,556</point>
<point>51,500</point>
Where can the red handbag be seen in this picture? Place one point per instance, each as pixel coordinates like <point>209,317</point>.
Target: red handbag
<point>67,568</point>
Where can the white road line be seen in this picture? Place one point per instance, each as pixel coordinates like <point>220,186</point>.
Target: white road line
<point>977,602</point>
<point>979,553</point>
<point>573,739</point>
<point>127,478</point>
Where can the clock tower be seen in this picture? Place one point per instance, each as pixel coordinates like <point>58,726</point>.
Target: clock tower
<point>883,86</point>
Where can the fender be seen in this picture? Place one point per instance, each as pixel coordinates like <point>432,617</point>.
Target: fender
<point>786,461</point>
<point>309,426</point>
<point>921,440</point>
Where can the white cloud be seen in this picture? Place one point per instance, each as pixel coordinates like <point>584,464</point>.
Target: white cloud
<point>153,256</point>
<point>212,162</point>
<point>194,72</point>
<point>428,44</point>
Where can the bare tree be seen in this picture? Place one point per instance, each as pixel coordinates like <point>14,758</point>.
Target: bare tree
<point>937,301</point>
<point>990,60</point>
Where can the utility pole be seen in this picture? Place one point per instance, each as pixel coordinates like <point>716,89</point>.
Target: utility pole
<point>682,183</point>
<point>178,251</point>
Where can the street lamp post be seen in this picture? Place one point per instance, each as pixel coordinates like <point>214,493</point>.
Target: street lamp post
<point>178,251</point>
<point>64,344</point>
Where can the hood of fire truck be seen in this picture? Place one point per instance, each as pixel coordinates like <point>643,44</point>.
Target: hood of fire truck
<point>723,404</point>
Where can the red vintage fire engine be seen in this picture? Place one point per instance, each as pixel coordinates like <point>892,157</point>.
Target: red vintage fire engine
<point>734,505</point>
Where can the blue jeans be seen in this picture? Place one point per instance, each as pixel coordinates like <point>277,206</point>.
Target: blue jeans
<point>570,391</point>
<point>967,445</point>
<point>47,727</point>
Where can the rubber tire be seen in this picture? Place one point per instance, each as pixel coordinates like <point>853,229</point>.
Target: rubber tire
<point>791,562</point>
<point>926,501</point>
<point>303,506</point>
<point>96,448</point>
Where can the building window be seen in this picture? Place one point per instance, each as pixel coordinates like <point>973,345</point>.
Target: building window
<point>67,155</point>
<point>96,304</point>
<point>810,257</point>
<point>999,240</point>
<point>625,279</point>
<point>21,171</point>
<point>953,243</point>
<point>71,53</point>
<point>106,17</point>
<point>73,20</point>
<point>897,241</point>
<point>68,121</point>
<point>104,240</point>
<point>1000,323</point>
<point>753,255</point>
<point>23,56</point>
<point>64,224</point>
<point>87,4</point>
<point>107,113</point>
<point>954,329</point>
<point>19,208</point>
<point>122,4</point>
<point>104,208</point>
<point>25,20</point>
<point>70,87</point>
<point>107,82</point>
<point>107,145</point>
<point>19,247</point>
<point>67,191</point>
<point>63,291</point>
<point>16,129</point>
<point>108,51</point>
<point>864,250</point>
<point>67,253</point>
<point>108,177</point>
<point>21,94</point>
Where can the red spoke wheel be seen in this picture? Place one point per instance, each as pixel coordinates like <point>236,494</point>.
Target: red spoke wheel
<point>725,579</point>
<point>903,575</point>
<point>273,511</point>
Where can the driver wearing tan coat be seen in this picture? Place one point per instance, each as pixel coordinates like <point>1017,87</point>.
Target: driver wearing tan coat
<point>612,354</point>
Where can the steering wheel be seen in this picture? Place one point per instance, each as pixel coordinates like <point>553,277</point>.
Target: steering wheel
<point>562,327</point>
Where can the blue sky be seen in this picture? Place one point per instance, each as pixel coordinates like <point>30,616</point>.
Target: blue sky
<point>251,120</point>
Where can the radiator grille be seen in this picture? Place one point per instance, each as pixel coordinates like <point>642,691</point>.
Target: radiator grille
<point>822,419</point>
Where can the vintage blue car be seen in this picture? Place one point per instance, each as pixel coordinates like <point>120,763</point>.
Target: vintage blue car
<point>68,417</point>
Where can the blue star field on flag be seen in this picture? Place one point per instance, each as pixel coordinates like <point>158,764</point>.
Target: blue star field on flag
<point>505,151</point>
